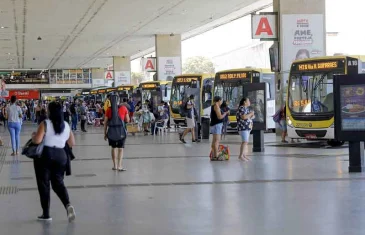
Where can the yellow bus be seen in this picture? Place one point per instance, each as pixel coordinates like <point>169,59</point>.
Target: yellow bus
<point>179,94</point>
<point>229,85</point>
<point>155,92</point>
<point>309,103</point>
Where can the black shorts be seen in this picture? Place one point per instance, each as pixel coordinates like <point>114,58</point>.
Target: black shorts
<point>117,144</point>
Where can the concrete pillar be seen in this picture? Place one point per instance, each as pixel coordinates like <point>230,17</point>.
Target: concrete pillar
<point>97,77</point>
<point>168,53</point>
<point>122,70</point>
<point>302,29</point>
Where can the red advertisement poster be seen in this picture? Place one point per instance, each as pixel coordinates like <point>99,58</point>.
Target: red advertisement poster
<point>24,94</point>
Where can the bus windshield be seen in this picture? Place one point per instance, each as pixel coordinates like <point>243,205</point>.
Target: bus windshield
<point>311,93</point>
<point>232,93</point>
<point>178,96</point>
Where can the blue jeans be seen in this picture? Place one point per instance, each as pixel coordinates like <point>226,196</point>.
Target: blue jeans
<point>74,122</point>
<point>14,129</point>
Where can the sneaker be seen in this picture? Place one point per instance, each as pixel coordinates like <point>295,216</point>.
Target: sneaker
<point>43,218</point>
<point>71,214</point>
<point>196,141</point>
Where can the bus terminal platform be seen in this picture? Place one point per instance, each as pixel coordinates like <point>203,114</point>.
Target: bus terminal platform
<point>173,188</point>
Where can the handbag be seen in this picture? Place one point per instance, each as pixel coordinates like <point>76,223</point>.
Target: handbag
<point>34,151</point>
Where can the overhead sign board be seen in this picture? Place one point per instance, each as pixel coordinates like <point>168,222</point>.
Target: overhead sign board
<point>148,64</point>
<point>264,26</point>
<point>108,75</point>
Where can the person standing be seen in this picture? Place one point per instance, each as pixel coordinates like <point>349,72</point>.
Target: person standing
<point>14,116</point>
<point>51,166</point>
<point>167,107</point>
<point>225,108</point>
<point>190,120</point>
<point>107,103</point>
<point>83,112</point>
<point>66,112</point>
<point>244,125</point>
<point>117,146</point>
<point>74,120</point>
<point>216,124</point>
<point>132,108</point>
<point>38,111</point>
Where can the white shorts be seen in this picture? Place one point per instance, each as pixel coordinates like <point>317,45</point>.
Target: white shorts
<point>190,123</point>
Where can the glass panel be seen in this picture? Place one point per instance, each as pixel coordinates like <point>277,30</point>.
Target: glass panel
<point>257,104</point>
<point>232,93</point>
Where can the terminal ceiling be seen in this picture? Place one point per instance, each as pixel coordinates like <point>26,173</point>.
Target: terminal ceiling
<point>87,33</point>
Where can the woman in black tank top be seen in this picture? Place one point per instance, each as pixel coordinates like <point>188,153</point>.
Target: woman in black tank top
<point>216,124</point>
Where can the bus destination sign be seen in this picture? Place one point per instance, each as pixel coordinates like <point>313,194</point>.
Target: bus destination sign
<point>149,86</point>
<point>101,91</point>
<point>185,79</point>
<point>126,88</point>
<point>237,75</point>
<point>323,65</point>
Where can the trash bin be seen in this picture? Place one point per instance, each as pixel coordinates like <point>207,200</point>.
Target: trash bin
<point>205,128</point>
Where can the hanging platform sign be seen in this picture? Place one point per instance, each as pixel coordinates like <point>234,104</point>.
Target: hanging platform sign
<point>264,26</point>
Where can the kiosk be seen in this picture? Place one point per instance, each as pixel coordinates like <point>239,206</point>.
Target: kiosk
<point>349,106</point>
<point>256,92</point>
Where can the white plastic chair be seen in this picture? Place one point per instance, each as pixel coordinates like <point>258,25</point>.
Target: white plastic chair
<point>161,129</point>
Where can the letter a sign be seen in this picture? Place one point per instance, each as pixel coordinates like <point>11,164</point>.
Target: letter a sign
<point>109,75</point>
<point>264,26</point>
<point>148,64</point>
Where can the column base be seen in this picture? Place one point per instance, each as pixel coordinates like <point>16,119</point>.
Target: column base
<point>356,169</point>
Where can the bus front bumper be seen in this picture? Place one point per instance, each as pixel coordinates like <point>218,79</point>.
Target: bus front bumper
<point>311,134</point>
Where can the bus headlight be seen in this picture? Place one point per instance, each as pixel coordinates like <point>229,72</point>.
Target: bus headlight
<point>333,125</point>
<point>289,123</point>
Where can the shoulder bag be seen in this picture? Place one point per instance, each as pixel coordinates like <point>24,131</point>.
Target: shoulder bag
<point>34,151</point>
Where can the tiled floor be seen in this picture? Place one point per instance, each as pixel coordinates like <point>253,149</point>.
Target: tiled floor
<point>171,188</point>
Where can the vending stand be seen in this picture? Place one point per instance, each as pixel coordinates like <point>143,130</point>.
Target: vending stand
<point>349,106</point>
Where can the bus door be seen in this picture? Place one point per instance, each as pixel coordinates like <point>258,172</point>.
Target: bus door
<point>256,92</point>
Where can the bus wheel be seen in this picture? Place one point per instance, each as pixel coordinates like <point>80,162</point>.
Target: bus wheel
<point>335,143</point>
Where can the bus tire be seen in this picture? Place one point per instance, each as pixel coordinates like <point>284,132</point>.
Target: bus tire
<point>335,143</point>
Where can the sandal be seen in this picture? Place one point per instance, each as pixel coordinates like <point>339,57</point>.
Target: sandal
<point>114,169</point>
<point>122,169</point>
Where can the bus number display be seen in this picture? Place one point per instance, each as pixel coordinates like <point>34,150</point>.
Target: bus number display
<point>124,89</point>
<point>149,86</point>
<point>301,103</point>
<point>185,80</point>
<point>110,90</point>
<point>101,91</point>
<point>318,66</point>
<point>226,76</point>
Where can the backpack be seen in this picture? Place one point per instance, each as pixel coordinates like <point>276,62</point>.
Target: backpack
<point>277,116</point>
<point>223,154</point>
<point>116,126</point>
